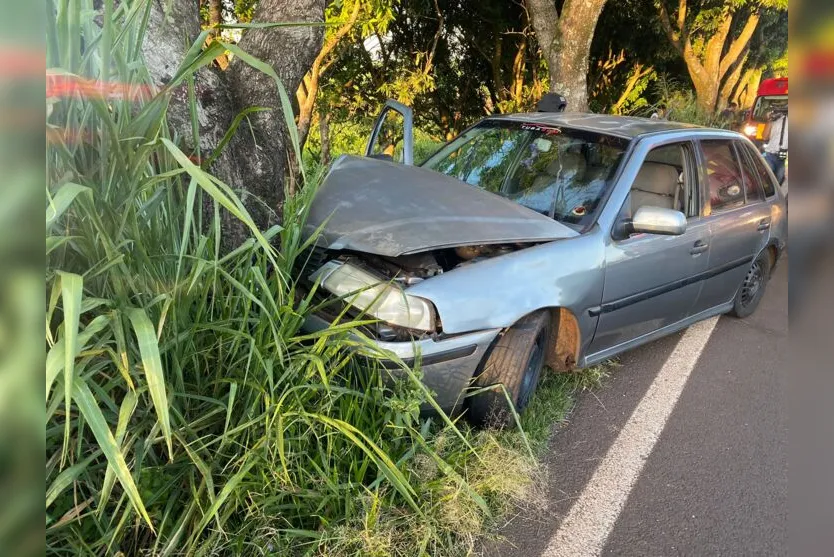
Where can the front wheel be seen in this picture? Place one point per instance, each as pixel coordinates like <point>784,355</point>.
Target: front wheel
<point>752,287</point>
<point>516,362</point>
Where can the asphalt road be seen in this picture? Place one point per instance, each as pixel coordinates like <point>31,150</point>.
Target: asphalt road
<point>713,481</point>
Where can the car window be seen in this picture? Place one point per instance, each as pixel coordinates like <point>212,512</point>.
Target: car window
<point>766,104</point>
<point>726,187</point>
<point>752,188</point>
<point>558,171</point>
<point>665,179</point>
<point>480,157</point>
<point>389,142</point>
<point>758,164</point>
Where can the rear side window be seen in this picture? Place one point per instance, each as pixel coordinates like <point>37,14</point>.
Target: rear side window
<point>758,164</point>
<point>752,189</point>
<point>726,186</point>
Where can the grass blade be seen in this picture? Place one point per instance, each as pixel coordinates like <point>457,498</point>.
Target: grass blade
<point>61,201</point>
<point>95,419</point>
<point>71,288</point>
<point>125,412</point>
<point>152,363</point>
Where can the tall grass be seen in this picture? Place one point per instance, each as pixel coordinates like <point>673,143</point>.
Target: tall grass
<point>186,411</point>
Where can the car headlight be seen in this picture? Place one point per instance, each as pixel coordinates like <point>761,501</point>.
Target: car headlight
<point>364,291</point>
<point>750,130</point>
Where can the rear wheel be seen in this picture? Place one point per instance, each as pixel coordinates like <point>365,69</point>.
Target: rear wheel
<point>516,361</point>
<point>752,287</point>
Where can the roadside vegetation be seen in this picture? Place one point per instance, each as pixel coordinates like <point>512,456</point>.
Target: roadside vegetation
<point>186,411</point>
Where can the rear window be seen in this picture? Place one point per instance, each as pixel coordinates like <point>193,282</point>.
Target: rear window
<point>767,103</point>
<point>752,189</point>
<point>557,171</point>
<point>758,163</point>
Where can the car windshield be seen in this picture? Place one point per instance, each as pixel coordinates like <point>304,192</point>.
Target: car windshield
<point>561,172</point>
<point>766,104</point>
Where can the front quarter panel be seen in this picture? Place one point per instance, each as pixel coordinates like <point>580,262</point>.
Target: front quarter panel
<point>498,292</point>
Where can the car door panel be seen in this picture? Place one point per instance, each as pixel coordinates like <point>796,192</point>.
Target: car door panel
<point>381,146</point>
<point>737,234</point>
<point>649,283</point>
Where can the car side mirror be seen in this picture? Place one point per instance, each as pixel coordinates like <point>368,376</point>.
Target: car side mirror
<point>657,220</point>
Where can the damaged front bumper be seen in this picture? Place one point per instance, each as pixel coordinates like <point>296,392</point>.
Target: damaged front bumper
<point>448,364</point>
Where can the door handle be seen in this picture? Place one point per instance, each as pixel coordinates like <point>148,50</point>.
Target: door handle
<point>764,224</point>
<point>699,247</point>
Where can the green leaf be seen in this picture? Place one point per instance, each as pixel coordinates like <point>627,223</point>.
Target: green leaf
<point>380,457</point>
<point>224,494</point>
<point>286,104</point>
<point>125,412</point>
<point>55,359</point>
<point>152,364</point>
<point>65,478</point>
<point>61,201</point>
<point>95,419</point>
<point>71,288</point>
<point>220,192</point>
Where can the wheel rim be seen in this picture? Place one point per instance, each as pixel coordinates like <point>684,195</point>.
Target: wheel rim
<point>531,373</point>
<point>752,283</point>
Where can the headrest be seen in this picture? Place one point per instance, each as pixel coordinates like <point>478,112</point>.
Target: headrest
<point>656,178</point>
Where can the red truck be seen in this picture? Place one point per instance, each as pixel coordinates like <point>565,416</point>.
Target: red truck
<point>772,95</point>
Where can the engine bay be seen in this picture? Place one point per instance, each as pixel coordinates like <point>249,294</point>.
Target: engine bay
<point>413,268</point>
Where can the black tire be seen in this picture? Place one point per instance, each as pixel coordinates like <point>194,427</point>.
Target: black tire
<point>753,287</point>
<point>516,361</point>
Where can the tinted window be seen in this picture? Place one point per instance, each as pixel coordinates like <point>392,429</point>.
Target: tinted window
<point>752,190</point>
<point>557,171</point>
<point>760,169</point>
<point>726,188</point>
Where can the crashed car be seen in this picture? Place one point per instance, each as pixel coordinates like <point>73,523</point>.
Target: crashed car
<point>542,240</point>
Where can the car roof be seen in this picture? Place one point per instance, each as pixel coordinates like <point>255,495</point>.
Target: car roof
<point>628,127</point>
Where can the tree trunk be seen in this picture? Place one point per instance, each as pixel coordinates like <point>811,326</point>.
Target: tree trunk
<point>519,68</point>
<point>730,83</point>
<point>254,162</point>
<point>214,13</point>
<point>324,131</point>
<point>746,91</point>
<point>709,67</point>
<point>706,91</point>
<point>319,66</point>
<point>495,65</point>
<point>565,41</point>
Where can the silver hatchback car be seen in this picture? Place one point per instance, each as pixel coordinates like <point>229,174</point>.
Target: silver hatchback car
<point>542,239</point>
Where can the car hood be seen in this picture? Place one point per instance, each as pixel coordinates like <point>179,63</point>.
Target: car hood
<point>390,209</point>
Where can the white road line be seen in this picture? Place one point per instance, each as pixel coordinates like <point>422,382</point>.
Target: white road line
<point>585,529</point>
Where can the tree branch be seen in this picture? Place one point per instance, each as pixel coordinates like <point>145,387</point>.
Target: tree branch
<point>666,22</point>
<point>715,46</point>
<point>732,79</point>
<point>633,80</point>
<point>311,79</point>
<point>430,57</point>
<point>738,46</point>
<point>682,20</point>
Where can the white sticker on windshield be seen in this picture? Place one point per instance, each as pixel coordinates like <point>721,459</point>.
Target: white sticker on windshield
<point>543,145</point>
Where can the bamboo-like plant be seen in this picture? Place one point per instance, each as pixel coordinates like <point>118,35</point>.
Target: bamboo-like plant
<point>186,411</point>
